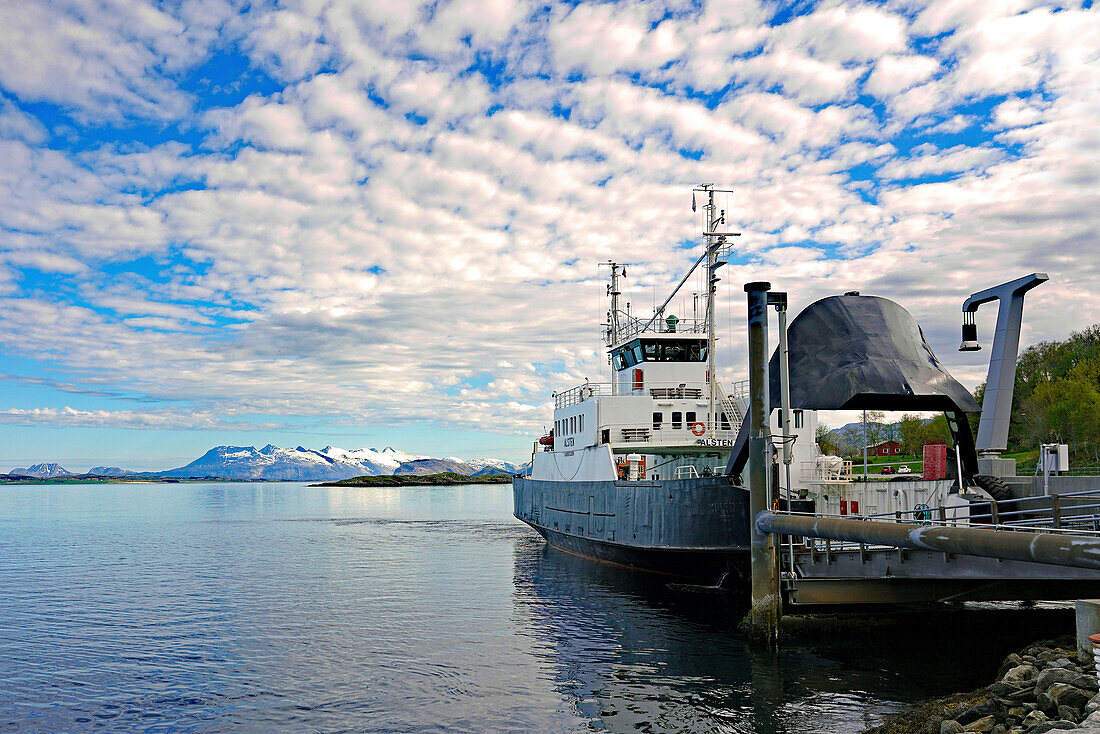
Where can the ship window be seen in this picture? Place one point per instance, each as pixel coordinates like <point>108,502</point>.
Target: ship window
<point>620,361</point>
<point>675,350</point>
<point>677,420</point>
<point>637,353</point>
<point>725,422</point>
<point>657,418</point>
<point>573,424</point>
<point>798,419</point>
<point>690,417</point>
<point>580,424</point>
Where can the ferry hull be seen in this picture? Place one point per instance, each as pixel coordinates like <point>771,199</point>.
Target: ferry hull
<point>695,529</point>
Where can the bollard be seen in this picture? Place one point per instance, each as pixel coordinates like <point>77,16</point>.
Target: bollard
<point>1095,640</point>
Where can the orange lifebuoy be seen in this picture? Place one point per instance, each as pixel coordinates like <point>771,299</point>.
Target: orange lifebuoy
<point>698,428</point>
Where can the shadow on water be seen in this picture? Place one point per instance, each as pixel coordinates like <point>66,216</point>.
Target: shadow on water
<point>636,652</point>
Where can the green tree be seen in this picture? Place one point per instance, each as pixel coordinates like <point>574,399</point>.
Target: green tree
<point>1067,410</point>
<point>824,441</point>
<point>913,432</point>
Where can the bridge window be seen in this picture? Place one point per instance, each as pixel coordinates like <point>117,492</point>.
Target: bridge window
<point>677,420</point>
<point>657,418</point>
<point>690,417</point>
<point>674,350</point>
<point>797,419</point>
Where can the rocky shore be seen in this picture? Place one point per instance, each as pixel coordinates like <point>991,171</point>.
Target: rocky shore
<point>1044,687</point>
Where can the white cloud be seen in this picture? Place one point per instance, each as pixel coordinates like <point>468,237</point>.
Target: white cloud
<point>316,252</point>
<point>894,74</point>
<point>604,38</point>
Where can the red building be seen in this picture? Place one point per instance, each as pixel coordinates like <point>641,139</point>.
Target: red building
<point>886,448</point>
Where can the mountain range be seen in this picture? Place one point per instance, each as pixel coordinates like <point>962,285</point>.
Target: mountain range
<point>298,464</point>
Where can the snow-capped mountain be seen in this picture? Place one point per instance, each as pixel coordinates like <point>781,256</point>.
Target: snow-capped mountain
<point>302,464</point>
<point>331,462</point>
<point>108,471</point>
<point>42,470</point>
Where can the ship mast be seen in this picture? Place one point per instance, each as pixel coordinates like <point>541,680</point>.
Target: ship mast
<point>613,317</point>
<point>715,247</point>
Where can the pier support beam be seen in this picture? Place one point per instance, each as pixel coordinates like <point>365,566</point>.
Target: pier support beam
<point>763,618</point>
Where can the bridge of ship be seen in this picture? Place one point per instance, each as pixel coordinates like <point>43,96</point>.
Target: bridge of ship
<point>831,571</point>
<point>683,406</point>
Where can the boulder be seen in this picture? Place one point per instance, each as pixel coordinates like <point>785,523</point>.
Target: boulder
<point>1010,662</point>
<point>1034,719</point>
<point>1086,681</point>
<point>1046,704</point>
<point>1021,674</point>
<point>1050,676</point>
<point>984,724</point>
<point>1063,694</point>
<point>1069,713</point>
<point>950,726</point>
<point>1051,726</point>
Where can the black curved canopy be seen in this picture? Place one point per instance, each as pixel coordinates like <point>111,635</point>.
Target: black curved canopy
<point>864,352</point>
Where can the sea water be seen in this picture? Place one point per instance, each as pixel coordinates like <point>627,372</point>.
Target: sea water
<point>280,607</point>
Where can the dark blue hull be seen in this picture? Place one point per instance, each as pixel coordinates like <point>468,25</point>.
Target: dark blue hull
<point>694,529</point>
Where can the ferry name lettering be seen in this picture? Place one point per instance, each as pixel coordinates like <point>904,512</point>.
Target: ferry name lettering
<point>715,441</point>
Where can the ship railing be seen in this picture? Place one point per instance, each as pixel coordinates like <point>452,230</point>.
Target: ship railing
<point>674,390</point>
<point>666,435</point>
<point>826,473</point>
<point>633,327</point>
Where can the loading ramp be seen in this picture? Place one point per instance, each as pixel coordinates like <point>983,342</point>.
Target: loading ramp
<point>1045,547</point>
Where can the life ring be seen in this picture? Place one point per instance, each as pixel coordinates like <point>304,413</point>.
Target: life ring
<point>698,428</point>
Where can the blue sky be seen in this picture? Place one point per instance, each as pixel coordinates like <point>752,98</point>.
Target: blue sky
<point>378,223</point>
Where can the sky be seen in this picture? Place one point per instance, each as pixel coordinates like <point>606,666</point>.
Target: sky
<point>372,223</point>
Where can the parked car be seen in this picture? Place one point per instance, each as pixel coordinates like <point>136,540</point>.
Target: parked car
<point>905,469</point>
<point>887,470</point>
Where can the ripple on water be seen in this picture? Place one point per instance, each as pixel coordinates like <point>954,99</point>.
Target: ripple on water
<point>199,608</point>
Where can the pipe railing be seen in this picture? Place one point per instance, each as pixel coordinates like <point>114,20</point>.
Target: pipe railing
<point>1050,514</point>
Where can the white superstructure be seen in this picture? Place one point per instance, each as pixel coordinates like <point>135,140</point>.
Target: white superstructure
<point>662,414</point>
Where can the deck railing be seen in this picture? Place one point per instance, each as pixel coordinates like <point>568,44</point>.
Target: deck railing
<point>1072,513</point>
<point>659,391</point>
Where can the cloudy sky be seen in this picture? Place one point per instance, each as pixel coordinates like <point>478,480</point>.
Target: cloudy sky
<point>378,222</point>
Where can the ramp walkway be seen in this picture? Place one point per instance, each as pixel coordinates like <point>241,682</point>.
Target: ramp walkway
<point>1043,547</point>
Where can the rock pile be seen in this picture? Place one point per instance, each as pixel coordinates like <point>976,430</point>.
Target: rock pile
<point>1043,688</point>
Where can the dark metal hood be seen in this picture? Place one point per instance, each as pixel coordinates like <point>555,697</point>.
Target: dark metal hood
<point>865,352</point>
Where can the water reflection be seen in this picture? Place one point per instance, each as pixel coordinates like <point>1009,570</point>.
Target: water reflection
<point>632,652</point>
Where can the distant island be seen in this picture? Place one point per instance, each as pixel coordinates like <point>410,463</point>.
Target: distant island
<point>418,480</point>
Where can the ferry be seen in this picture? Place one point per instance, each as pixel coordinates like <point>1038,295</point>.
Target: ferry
<point>634,470</point>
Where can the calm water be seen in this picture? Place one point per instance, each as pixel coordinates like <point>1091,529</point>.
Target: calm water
<point>282,607</point>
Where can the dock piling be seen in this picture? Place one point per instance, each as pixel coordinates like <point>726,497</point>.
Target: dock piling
<point>763,618</point>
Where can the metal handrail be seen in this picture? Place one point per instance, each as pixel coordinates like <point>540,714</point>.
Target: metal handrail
<point>1065,524</point>
<point>700,391</point>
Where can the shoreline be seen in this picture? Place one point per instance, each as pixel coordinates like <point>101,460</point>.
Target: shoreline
<point>1044,687</point>
<point>417,480</point>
